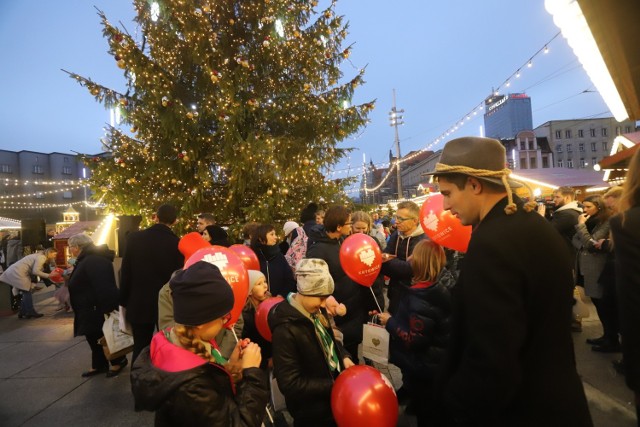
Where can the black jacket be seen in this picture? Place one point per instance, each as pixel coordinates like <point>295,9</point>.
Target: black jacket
<point>355,297</point>
<point>151,257</point>
<point>300,366</point>
<point>511,360</point>
<point>92,289</point>
<point>626,237</point>
<point>249,330</point>
<point>398,268</point>
<point>200,396</point>
<point>565,222</point>
<point>420,330</point>
<point>276,269</point>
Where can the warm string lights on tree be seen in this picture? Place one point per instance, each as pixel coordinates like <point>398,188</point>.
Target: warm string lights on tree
<point>19,182</point>
<point>233,107</point>
<point>40,193</point>
<point>478,109</point>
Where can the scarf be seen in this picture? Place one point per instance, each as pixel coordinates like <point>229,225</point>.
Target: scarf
<point>269,252</point>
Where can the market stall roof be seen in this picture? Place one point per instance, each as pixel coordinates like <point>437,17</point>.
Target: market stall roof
<point>76,228</point>
<point>10,224</point>
<point>614,25</point>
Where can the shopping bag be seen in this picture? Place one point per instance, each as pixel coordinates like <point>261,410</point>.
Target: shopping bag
<point>277,398</point>
<point>375,343</point>
<point>580,309</point>
<point>122,318</point>
<point>116,339</point>
<point>117,354</point>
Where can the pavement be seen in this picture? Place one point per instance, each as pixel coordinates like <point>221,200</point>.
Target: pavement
<point>41,363</point>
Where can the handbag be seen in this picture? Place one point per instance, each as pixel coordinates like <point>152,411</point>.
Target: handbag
<point>116,340</point>
<point>375,343</point>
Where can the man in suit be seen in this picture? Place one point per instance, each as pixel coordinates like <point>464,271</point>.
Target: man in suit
<point>150,257</point>
<point>510,360</point>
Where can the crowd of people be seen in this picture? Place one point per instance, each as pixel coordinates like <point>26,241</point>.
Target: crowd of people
<point>481,338</point>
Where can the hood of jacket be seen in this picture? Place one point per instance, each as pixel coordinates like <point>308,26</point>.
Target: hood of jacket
<point>318,234</point>
<point>99,250</point>
<point>160,370</point>
<point>284,312</point>
<point>417,232</point>
<point>570,206</point>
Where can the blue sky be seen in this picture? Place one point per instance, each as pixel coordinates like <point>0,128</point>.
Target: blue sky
<point>442,57</point>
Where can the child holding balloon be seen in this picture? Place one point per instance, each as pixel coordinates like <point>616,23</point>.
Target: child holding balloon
<point>183,377</point>
<point>420,328</point>
<point>258,292</point>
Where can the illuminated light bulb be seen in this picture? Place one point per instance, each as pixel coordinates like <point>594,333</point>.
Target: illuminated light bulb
<point>546,49</point>
<point>529,64</point>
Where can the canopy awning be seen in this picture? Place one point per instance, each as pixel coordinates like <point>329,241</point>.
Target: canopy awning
<point>10,224</point>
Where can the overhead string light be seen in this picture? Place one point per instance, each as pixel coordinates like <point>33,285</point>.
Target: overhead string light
<point>17,182</point>
<point>30,205</point>
<point>38,193</point>
<point>473,112</point>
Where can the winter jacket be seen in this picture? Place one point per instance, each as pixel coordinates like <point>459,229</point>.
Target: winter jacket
<point>564,219</point>
<point>249,330</point>
<point>355,297</point>
<point>14,251</point>
<point>300,366</point>
<point>420,330</point>
<point>398,268</point>
<point>625,230</point>
<point>185,390</point>
<point>591,261</point>
<point>19,273</point>
<point>275,268</point>
<point>92,289</point>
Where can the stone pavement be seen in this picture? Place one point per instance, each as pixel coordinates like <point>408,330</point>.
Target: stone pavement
<point>41,363</point>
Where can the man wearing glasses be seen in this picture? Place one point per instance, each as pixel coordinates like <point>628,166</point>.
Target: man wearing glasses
<point>399,248</point>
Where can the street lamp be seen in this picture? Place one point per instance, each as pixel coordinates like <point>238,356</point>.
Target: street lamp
<point>395,120</point>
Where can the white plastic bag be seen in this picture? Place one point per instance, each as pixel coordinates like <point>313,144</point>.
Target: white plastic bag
<point>115,338</point>
<point>375,343</point>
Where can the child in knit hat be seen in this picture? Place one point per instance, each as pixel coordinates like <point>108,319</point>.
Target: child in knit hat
<point>258,292</point>
<point>306,357</point>
<point>182,375</point>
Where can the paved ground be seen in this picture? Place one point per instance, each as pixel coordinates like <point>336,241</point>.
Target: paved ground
<point>40,383</point>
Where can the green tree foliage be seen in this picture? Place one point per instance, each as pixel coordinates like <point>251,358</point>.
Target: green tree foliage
<point>232,107</point>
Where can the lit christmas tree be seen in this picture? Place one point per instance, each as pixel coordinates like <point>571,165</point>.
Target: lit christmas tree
<point>234,107</point>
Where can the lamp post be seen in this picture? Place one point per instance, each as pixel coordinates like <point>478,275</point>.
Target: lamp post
<point>395,120</point>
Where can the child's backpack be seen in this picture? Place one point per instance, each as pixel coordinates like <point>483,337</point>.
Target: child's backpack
<point>298,249</point>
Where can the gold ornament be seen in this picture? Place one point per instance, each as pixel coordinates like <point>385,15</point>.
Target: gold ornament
<point>124,102</point>
<point>185,158</point>
<point>189,115</point>
<point>231,22</point>
<point>173,181</point>
<point>306,162</point>
<point>284,191</point>
<point>95,91</point>
<point>121,64</point>
<point>206,8</point>
<point>269,192</point>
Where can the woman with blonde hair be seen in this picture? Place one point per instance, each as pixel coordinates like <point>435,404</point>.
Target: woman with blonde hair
<point>420,328</point>
<point>625,230</point>
<point>183,377</point>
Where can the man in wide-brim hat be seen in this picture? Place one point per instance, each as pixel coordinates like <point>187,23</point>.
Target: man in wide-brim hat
<point>511,354</point>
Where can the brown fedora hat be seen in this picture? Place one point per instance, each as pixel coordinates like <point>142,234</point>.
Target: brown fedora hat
<point>474,152</point>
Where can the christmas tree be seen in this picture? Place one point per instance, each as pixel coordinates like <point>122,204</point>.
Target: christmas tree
<point>232,107</point>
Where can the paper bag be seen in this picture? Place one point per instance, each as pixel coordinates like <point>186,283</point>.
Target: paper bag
<point>375,343</point>
<point>122,318</point>
<point>116,339</point>
<point>277,398</point>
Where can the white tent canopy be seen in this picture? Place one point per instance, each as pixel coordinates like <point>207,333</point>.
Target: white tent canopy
<point>9,224</point>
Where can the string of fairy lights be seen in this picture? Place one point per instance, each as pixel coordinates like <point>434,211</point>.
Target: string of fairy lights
<point>453,128</point>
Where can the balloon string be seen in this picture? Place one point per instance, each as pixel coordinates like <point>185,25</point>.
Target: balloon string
<point>375,299</point>
<point>234,335</point>
<point>269,415</point>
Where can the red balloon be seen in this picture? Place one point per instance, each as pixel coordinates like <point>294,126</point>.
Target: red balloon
<point>247,255</point>
<point>442,227</point>
<point>362,396</point>
<point>361,259</point>
<point>261,316</point>
<point>190,243</point>
<point>233,271</point>
<point>56,275</point>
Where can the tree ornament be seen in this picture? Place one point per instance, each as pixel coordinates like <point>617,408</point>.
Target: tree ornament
<point>173,180</point>
<point>180,155</point>
<point>189,115</point>
<point>185,158</point>
<point>165,101</point>
<point>269,192</point>
<point>121,64</point>
<point>124,102</point>
<point>306,162</point>
<point>206,8</point>
<point>134,129</point>
<point>198,12</point>
<point>231,22</point>
<point>118,37</point>
<point>95,91</point>
<point>284,191</point>
<point>266,43</point>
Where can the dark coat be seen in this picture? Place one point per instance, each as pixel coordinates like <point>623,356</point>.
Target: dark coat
<point>398,269</point>
<point>151,257</point>
<point>276,269</point>
<point>300,366</point>
<point>249,330</point>
<point>202,395</point>
<point>420,331</point>
<point>92,289</point>
<point>511,360</point>
<point>626,238</point>
<point>355,297</point>
<point>565,221</point>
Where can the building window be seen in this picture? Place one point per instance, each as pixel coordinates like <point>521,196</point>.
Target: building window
<point>593,146</point>
<point>37,169</point>
<point>627,129</point>
<point>604,131</point>
<point>567,134</point>
<point>569,148</point>
<point>581,147</point>
<point>594,161</point>
<point>66,170</point>
<point>523,163</point>
<point>570,163</point>
<point>531,147</point>
<point>559,148</point>
<point>545,162</point>
<point>558,134</point>
<point>6,169</point>
<point>560,163</point>
<point>583,164</point>
<point>67,195</point>
<point>618,130</point>
<point>580,133</point>
<point>605,145</point>
<point>65,159</point>
<point>522,145</point>
<point>592,132</point>
<point>39,195</point>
